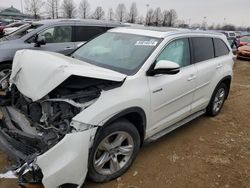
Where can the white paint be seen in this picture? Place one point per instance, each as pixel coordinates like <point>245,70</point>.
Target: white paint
<point>66,162</point>
<point>165,99</point>
<point>8,175</point>
<point>36,73</point>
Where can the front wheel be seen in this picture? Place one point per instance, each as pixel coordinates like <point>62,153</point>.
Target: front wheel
<point>113,151</point>
<point>5,69</point>
<point>217,100</point>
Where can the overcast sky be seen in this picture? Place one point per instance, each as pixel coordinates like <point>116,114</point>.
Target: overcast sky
<point>216,11</point>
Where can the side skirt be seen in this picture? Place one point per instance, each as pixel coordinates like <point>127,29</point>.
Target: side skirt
<point>174,126</point>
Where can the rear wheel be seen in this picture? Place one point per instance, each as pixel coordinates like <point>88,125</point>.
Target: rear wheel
<point>217,100</point>
<point>113,151</point>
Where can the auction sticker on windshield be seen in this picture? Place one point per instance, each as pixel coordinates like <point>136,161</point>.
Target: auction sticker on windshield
<point>146,43</point>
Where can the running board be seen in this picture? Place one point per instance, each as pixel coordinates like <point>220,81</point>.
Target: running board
<point>174,126</point>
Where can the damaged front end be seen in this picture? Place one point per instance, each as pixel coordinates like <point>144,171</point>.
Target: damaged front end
<point>41,137</point>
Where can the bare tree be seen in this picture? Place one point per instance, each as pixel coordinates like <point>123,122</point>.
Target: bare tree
<point>172,17</point>
<point>52,7</point>
<point>165,18</point>
<point>110,14</point>
<point>133,13</point>
<point>218,27</point>
<point>149,17</point>
<point>211,27</point>
<point>141,20</point>
<point>33,7</point>
<point>121,12</point>
<point>68,8</point>
<point>157,16</point>
<point>98,13</point>
<point>84,9</point>
<point>57,4</point>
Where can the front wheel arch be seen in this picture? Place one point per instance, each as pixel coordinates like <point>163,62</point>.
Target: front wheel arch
<point>134,115</point>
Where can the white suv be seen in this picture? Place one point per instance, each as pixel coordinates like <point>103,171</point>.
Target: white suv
<point>66,117</point>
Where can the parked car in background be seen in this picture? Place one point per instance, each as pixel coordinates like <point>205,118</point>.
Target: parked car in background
<point>8,29</point>
<point>233,39</point>
<point>244,40</point>
<point>230,34</point>
<point>3,23</point>
<point>244,52</point>
<point>90,113</point>
<point>62,36</point>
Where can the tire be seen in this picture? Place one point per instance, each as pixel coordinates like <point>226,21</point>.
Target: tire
<point>4,69</point>
<point>217,100</point>
<point>108,148</point>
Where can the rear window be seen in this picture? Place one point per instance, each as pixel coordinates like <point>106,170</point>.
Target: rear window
<point>85,33</point>
<point>220,48</point>
<point>202,49</point>
<point>232,34</point>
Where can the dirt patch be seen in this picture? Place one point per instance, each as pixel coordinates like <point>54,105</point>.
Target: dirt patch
<point>207,152</point>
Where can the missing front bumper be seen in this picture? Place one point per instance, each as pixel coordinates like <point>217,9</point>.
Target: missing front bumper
<point>64,163</point>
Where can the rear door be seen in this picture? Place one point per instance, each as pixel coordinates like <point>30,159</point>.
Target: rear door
<point>209,64</point>
<point>58,39</point>
<point>83,33</point>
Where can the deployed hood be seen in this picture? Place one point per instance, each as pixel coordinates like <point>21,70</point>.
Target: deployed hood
<point>36,73</point>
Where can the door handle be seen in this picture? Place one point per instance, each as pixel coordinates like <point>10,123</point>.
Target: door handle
<point>192,77</point>
<point>68,48</point>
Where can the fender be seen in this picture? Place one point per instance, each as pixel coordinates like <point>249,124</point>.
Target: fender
<point>123,113</point>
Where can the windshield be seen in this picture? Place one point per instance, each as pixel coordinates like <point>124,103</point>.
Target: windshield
<point>120,52</point>
<point>21,32</point>
<point>245,39</point>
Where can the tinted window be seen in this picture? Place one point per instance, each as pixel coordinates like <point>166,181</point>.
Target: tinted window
<point>202,49</point>
<point>232,34</point>
<point>220,48</point>
<point>177,51</point>
<point>58,34</point>
<point>85,33</point>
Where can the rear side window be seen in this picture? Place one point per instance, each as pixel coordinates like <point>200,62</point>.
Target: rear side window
<point>203,49</point>
<point>85,33</point>
<point>220,48</point>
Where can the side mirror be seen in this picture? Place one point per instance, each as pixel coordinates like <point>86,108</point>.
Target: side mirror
<point>39,40</point>
<point>165,67</point>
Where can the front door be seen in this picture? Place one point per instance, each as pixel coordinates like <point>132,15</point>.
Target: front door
<point>58,39</point>
<point>172,95</point>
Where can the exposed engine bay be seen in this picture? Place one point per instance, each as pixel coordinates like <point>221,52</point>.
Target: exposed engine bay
<point>30,128</point>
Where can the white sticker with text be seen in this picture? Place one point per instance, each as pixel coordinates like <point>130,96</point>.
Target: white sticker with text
<point>146,43</point>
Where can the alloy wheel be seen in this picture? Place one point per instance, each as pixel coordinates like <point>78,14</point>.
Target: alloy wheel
<point>113,153</point>
<point>218,100</point>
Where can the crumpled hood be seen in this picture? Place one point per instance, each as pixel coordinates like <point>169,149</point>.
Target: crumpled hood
<point>36,73</point>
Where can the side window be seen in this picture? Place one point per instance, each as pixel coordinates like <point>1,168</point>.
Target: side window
<point>203,49</point>
<point>58,34</point>
<point>220,48</point>
<point>177,51</point>
<point>85,33</point>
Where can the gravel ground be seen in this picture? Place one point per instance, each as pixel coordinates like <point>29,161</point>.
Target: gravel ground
<point>207,152</point>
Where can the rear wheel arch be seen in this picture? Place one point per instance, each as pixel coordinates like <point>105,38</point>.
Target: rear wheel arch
<point>227,81</point>
<point>223,83</point>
